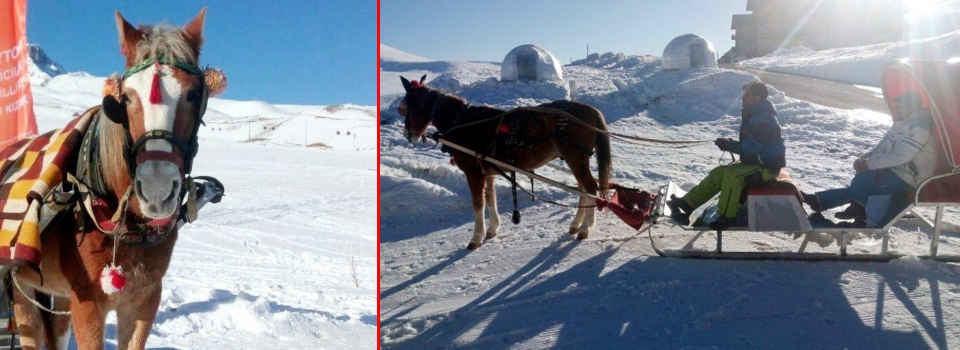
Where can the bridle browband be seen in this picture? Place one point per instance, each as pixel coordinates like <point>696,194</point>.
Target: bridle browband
<point>189,68</point>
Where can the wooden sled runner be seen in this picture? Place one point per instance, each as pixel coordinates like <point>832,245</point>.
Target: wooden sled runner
<point>775,206</point>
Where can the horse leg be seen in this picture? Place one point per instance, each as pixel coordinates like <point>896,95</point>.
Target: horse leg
<point>476,183</point>
<point>580,166</point>
<point>490,192</point>
<point>89,320</point>
<point>581,211</point>
<point>58,326</point>
<point>29,323</point>
<point>134,319</point>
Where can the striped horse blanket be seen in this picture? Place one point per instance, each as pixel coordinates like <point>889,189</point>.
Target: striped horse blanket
<point>29,169</point>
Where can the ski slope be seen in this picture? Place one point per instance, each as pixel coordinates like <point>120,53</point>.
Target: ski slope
<point>535,286</point>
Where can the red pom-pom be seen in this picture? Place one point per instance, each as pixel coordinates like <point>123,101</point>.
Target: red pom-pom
<point>415,84</point>
<point>112,280</point>
<point>503,128</point>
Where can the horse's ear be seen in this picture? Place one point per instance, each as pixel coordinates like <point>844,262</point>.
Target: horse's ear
<point>129,37</point>
<point>194,31</point>
<point>406,84</point>
<point>424,77</point>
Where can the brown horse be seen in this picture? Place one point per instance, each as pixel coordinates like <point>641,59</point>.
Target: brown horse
<point>525,137</point>
<point>145,143</point>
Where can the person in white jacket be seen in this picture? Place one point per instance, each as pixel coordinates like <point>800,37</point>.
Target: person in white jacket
<point>905,157</point>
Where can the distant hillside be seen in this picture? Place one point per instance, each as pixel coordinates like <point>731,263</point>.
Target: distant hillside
<point>390,54</point>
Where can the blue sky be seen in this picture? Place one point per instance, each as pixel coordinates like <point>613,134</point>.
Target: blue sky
<point>487,30</point>
<point>282,52</point>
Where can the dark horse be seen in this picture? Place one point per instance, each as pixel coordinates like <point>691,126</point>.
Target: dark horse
<point>146,140</point>
<point>525,137</point>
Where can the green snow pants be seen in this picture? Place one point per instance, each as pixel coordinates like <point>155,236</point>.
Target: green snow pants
<point>729,181</point>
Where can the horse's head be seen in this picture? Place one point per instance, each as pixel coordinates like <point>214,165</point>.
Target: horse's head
<point>158,104</point>
<point>414,107</point>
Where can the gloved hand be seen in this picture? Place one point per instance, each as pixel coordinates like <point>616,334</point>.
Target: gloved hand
<point>721,143</point>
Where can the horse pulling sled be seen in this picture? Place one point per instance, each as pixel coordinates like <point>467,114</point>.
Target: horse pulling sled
<point>777,207</point>
<point>772,207</point>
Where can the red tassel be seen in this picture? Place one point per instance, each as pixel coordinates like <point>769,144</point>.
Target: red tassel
<point>155,97</point>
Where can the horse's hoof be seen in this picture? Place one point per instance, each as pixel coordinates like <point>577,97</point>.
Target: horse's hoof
<point>473,245</point>
<point>583,234</point>
<point>572,230</point>
<point>491,235</point>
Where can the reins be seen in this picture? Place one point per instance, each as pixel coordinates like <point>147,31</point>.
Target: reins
<point>675,144</point>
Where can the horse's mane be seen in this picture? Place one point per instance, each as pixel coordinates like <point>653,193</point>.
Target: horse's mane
<point>111,147</point>
<point>164,41</point>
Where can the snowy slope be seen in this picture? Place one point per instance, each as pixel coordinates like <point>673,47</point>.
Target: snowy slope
<point>287,259</point>
<point>534,286</point>
<point>857,65</point>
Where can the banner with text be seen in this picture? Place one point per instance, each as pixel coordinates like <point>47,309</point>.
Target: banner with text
<point>16,101</point>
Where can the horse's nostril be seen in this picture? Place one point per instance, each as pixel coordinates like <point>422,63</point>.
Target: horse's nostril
<point>173,192</point>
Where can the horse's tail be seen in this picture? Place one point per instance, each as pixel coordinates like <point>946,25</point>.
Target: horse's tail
<point>603,155</point>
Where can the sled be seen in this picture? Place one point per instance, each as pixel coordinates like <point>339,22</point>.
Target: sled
<point>775,206</point>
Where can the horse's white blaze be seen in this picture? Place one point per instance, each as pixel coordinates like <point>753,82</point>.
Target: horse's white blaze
<point>157,116</point>
<point>157,181</point>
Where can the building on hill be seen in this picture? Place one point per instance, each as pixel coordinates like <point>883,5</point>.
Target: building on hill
<point>816,24</point>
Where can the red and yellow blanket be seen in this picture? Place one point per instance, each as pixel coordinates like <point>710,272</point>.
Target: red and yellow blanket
<point>29,169</point>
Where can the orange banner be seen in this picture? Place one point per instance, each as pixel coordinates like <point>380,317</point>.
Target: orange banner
<point>16,101</point>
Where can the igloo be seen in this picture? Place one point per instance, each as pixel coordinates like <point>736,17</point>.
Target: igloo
<point>688,51</point>
<point>530,63</point>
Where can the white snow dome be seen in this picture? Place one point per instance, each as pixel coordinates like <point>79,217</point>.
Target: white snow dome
<point>530,63</point>
<point>688,51</point>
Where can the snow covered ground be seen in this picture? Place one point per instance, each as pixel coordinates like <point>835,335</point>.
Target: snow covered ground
<point>534,286</point>
<point>288,258</point>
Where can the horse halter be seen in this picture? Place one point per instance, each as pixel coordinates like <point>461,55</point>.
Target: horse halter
<point>115,108</point>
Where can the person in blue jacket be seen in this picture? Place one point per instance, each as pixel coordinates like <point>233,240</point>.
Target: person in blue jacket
<point>762,155</point>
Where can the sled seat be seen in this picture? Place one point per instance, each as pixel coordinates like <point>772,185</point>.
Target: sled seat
<point>775,206</point>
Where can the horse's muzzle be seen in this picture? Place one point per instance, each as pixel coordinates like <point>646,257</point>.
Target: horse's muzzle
<point>157,187</point>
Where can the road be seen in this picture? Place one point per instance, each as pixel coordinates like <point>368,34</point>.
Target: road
<point>823,92</point>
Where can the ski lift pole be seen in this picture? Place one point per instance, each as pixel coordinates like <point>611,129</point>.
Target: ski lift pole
<point>512,168</point>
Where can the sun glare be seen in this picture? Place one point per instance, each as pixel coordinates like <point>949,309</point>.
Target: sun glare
<point>924,6</point>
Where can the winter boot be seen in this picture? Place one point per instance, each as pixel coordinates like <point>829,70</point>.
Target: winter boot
<point>811,200</point>
<point>679,209</point>
<point>721,223</point>
<point>855,211</point>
